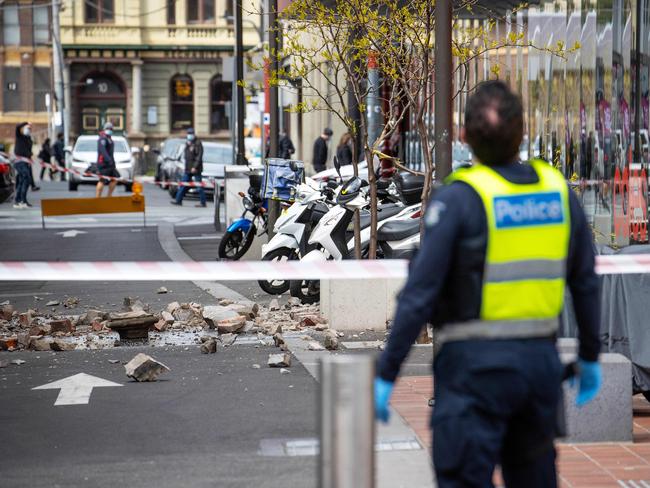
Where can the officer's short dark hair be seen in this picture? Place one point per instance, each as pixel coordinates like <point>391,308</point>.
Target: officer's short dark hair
<point>494,122</point>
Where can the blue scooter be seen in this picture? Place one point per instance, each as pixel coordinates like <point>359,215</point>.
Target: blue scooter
<point>240,234</point>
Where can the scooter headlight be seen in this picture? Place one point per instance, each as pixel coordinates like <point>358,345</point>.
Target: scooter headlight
<point>248,204</point>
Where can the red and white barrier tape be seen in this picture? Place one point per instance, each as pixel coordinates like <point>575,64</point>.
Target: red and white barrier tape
<point>199,271</point>
<point>250,270</point>
<point>56,167</point>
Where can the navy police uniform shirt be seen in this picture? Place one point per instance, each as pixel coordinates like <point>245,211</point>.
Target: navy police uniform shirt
<point>456,212</point>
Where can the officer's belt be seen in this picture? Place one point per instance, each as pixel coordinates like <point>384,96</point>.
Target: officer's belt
<point>530,269</point>
<point>497,329</point>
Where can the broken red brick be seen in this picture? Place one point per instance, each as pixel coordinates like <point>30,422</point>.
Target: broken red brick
<point>64,326</point>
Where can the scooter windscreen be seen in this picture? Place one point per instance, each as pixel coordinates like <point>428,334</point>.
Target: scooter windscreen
<point>349,191</point>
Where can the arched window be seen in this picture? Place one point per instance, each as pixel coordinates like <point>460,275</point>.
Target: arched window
<point>220,95</point>
<point>182,102</point>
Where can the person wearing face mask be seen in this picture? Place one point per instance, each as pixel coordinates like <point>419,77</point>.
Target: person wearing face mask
<point>193,168</point>
<point>23,152</point>
<point>106,161</point>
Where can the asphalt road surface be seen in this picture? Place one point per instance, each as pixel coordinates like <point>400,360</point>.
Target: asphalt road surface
<point>200,425</point>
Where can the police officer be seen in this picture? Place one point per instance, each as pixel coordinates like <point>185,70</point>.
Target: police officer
<point>193,168</point>
<point>502,239</point>
<point>106,161</point>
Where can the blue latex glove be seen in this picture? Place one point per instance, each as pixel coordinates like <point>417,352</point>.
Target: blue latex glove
<point>590,379</point>
<point>383,389</point>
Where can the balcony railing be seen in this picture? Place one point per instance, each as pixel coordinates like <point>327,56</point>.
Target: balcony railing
<point>178,35</point>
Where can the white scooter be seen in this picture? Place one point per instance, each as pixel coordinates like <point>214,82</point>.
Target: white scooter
<point>331,235</point>
<point>292,227</point>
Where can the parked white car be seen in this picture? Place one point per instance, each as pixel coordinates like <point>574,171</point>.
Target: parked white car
<point>84,154</point>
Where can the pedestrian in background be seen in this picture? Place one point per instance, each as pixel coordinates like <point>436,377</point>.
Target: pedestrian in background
<point>344,149</point>
<point>106,161</point>
<point>45,155</point>
<point>23,152</point>
<point>59,153</point>
<point>193,168</point>
<point>503,238</point>
<point>320,150</point>
<point>285,146</point>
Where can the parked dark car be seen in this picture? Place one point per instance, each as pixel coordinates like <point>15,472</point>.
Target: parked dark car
<point>166,157</point>
<point>7,178</point>
<point>216,156</point>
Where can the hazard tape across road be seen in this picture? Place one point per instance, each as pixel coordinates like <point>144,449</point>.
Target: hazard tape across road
<point>250,270</point>
<point>56,167</point>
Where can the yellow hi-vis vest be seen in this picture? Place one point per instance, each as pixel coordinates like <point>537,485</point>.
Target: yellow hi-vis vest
<point>527,248</point>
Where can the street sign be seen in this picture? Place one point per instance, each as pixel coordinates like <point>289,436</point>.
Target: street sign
<point>76,389</point>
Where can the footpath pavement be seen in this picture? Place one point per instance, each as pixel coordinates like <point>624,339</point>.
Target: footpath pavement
<point>590,465</point>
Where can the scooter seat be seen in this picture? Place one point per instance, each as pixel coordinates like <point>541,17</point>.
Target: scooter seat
<point>383,212</point>
<point>398,230</point>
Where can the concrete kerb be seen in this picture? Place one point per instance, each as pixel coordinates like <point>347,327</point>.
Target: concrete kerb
<point>169,243</point>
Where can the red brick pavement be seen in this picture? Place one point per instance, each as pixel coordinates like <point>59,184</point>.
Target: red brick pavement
<point>597,465</point>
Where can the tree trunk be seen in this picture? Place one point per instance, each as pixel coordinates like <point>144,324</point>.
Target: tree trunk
<point>372,180</point>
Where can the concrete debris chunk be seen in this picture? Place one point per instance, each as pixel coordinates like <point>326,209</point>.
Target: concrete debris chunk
<point>64,326</point>
<point>213,314</point>
<point>171,308</point>
<point>53,303</point>
<point>224,302</point>
<point>231,325</point>
<point>248,310</point>
<point>8,343</point>
<point>278,340</point>
<point>113,361</point>
<point>282,360</point>
<point>18,362</point>
<point>228,339</point>
<point>132,325</point>
<point>274,305</point>
<point>23,339</point>
<point>160,325</point>
<point>6,302</point>
<point>71,302</point>
<point>26,319</point>
<point>331,340</point>
<point>273,328</point>
<point>162,290</point>
<point>293,302</point>
<point>40,344</point>
<point>144,368</point>
<point>315,346</point>
<point>209,346</point>
<point>93,316</point>
<point>256,366</point>
<point>308,321</point>
<point>6,312</point>
<point>167,317</point>
<point>60,345</point>
<point>284,371</point>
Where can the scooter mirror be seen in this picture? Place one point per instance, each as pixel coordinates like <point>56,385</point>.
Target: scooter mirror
<point>364,183</point>
<point>337,165</point>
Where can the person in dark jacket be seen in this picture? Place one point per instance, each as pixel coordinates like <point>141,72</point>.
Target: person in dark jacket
<point>320,150</point>
<point>285,146</point>
<point>45,155</point>
<point>495,309</point>
<point>344,149</point>
<point>59,153</point>
<point>193,168</point>
<point>106,161</point>
<point>22,164</point>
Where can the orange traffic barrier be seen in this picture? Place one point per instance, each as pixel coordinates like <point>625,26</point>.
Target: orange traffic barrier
<point>81,206</point>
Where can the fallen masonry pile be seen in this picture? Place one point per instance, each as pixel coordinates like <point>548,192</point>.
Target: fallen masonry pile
<point>223,322</point>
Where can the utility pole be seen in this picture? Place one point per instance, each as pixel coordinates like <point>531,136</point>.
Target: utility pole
<point>443,96</point>
<point>239,75</point>
<point>57,55</point>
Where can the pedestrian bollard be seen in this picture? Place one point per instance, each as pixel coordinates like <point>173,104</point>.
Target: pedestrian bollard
<point>346,422</point>
<point>217,200</point>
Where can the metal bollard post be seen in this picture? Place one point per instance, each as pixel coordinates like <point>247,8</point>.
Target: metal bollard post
<point>346,422</point>
<point>217,201</point>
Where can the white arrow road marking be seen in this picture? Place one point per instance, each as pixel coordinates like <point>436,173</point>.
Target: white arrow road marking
<point>75,389</point>
<point>71,233</point>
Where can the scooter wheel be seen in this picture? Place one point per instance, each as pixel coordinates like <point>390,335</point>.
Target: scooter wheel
<point>278,287</point>
<point>308,291</point>
<point>234,244</point>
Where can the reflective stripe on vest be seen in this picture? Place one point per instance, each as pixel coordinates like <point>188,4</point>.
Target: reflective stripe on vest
<point>497,329</point>
<point>527,248</point>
